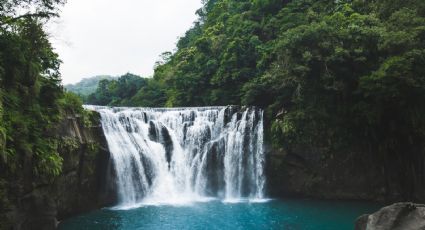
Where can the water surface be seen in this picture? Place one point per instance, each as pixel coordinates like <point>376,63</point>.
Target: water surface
<point>274,214</point>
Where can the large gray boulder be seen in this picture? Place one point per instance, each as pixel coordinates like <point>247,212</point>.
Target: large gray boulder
<point>399,216</point>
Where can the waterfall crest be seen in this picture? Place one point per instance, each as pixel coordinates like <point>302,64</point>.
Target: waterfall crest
<point>185,154</point>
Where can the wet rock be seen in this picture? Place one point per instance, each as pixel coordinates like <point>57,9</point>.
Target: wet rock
<point>214,168</point>
<point>168,143</point>
<point>153,133</point>
<point>399,216</point>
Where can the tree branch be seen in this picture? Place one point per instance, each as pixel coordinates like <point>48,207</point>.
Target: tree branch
<point>6,20</point>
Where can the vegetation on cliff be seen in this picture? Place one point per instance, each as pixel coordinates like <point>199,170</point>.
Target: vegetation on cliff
<point>338,75</point>
<point>31,95</point>
<point>32,102</point>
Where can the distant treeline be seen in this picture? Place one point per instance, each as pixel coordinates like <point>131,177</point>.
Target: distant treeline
<point>127,90</point>
<point>87,85</point>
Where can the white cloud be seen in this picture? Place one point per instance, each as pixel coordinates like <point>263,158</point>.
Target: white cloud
<point>95,37</point>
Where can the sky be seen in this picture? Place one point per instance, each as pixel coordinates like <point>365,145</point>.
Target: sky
<point>113,37</point>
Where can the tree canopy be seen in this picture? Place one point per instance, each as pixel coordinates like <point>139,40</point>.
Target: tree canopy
<point>32,101</point>
<point>127,90</point>
<point>337,74</point>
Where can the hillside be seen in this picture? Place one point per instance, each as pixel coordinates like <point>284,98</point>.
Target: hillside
<point>87,85</point>
<point>327,102</point>
<point>341,78</point>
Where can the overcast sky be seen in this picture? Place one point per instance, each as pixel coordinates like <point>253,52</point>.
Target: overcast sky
<point>112,37</point>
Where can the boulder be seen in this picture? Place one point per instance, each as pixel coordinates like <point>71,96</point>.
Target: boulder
<point>399,216</point>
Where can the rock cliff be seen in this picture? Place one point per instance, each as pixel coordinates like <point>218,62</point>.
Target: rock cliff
<point>83,185</point>
<point>350,174</point>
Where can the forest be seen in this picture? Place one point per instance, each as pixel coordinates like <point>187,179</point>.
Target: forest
<point>336,74</point>
<point>32,100</point>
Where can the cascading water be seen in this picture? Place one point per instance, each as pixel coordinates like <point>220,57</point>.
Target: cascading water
<point>185,154</point>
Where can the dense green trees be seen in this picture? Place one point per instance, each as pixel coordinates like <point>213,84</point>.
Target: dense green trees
<point>30,86</point>
<point>322,69</point>
<point>32,101</point>
<point>352,73</point>
<point>325,71</point>
<point>127,90</point>
<point>344,74</point>
<point>338,75</point>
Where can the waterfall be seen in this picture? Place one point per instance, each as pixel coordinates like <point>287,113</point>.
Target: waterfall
<point>182,155</point>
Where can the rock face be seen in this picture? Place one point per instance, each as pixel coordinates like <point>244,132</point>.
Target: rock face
<point>399,216</point>
<point>309,172</point>
<point>85,183</point>
<point>82,185</point>
<point>320,173</point>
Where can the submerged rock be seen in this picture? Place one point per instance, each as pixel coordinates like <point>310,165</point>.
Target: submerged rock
<point>399,216</point>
